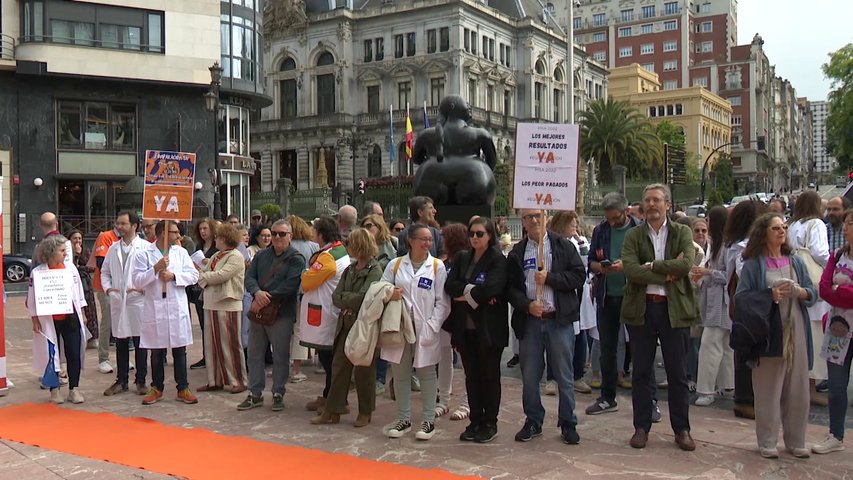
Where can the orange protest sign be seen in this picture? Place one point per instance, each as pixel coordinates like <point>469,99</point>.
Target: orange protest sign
<point>169,185</point>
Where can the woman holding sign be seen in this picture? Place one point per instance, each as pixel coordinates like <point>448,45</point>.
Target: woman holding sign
<point>54,317</point>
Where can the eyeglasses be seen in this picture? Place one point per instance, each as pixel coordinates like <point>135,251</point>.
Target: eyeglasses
<point>280,234</point>
<point>531,216</point>
<point>368,225</point>
<point>423,239</point>
<point>478,234</point>
<point>700,230</point>
<point>779,228</point>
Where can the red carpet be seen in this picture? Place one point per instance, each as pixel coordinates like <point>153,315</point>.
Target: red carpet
<point>187,453</point>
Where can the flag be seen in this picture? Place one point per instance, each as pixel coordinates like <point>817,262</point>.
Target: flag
<point>391,126</point>
<point>426,119</point>
<point>410,135</point>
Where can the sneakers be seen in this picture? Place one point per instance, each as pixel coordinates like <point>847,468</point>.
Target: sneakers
<point>186,396</point>
<point>470,433</point>
<point>298,377</point>
<point>74,396</point>
<point>828,445</point>
<point>277,402</point>
<point>426,431</point>
<point>799,452</point>
<point>56,397</point>
<point>152,397</point>
<point>486,433</point>
<point>198,365</point>
<point>624,382</point>
<point>528,432</point>
<point>513,362</point>
<point>656,416</point>
<point>551,388</point>
<point>251,402</point>
<point>822,386</point>
<point>595,382</point>
<point>400,428</point>
<point>602,406</point>
<point>769,452</point>
<point>105,367</point>
<point>141,389</point>
<point>569,435</point>
<point>582,387</point>
<point>704,400</point>
<point>380,389</point>
<point>115,389</point>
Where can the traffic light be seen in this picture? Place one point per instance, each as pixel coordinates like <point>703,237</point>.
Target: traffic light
<point>850,176</point>
<point>361,186</point>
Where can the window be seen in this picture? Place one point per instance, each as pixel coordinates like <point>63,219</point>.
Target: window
<point>436,91</point>
<point>410,44</point>
<point>598,37</point>
<point>736,160</point>
<point>600,56</point>
<point>649,11</point>
<point>706,7</point>
<point>700,82</point>
<point>734,100</point>
<point>432,41</point>
<point>679,110</point>
<point>647,48</point>
<point>466,40</point>
<point>485,46</point>
<point>368,51</point>
<point>404,93</point>
<point>625,31</point>
<point>472,92</point>
<point>538,93</point>
<point>670,25</point>
<point>670,8</point>
<point>444,39</point>
<point>670,65</point>
<point>576,23</point>
<point>380,48</point>
<point>707,47</point>
<point>649,66</point>
<point>670,84</point>
<point>102,26</point>
<point>474,42</point>
<point>599,91</point>
<point>96,126</point>
<point>325,94</point>
<point>736,119</point>
<point>398,46</point>
<point>627,15</point>
<point>373,99</point>
<point>707,27</point>
<point>670,110</point>
<point>626,52</point>
<point>670,46</point>
<point>647,28</point>
<point>598,20</point>
<point>661,110</point>
<point>287,94</point>
<point>557,100</point>
<point>653,112</point>
<point>492,49</point>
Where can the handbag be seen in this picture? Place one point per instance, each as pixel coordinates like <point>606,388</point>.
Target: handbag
<point>813,269</point>
<point>269,314</point>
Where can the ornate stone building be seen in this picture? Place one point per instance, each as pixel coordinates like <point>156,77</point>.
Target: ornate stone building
<point>340,75</point>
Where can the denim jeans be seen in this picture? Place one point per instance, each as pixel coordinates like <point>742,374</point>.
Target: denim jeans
<point>838,378</point>
<point>558,341</point>
<point>381,370</point>
<point>158,365</point>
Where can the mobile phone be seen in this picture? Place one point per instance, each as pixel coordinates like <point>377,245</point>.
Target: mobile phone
<point>605,263</point>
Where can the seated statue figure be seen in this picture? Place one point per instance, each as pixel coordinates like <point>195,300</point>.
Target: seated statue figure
<point>452,171</point>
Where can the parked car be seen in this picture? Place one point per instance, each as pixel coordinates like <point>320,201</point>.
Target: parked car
<point>841,181</point>
<point>696,211</point>
<point>738,199</point>
<point>16,268</point>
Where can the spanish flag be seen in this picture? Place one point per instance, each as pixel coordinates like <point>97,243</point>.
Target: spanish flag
<point>410,135</point>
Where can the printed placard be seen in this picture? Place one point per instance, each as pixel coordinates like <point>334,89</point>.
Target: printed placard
<point>52,292</point>
<point>546,166</point>
<point>169,185</point>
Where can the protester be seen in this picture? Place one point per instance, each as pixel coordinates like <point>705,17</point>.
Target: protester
<point>127,302</point>
<point>396,227</point>
<point>167,317</point>
<point>222,280</point>
<point>780,375</point>
<point>421,211</point>
<point>835,209</point>
<point>477,283</point>
<point>47,329</point>
<point>372,208</point>
<point>348,297</point>
<point>347,218</point>
<point>419,279</point>
<point>385,242</point>
<point>102,244</point>
<point>302,239</point>
<point>262,240</point>
<point>204,235</point>
<point>147,229</point>
<point>81,256</point>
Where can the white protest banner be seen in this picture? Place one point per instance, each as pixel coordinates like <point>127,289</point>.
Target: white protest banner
<point>52,289</point>
<point>546,166</point>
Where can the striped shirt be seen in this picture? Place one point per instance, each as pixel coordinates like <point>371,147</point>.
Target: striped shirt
<point>531,261</point>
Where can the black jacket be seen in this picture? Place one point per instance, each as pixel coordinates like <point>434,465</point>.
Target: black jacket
<point>566,277</point>
<point>489,279</point>
<point>757,326</point>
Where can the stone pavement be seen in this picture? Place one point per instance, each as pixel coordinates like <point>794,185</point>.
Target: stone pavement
<point>725,445</point>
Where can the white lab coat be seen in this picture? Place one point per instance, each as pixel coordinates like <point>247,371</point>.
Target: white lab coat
<point>125,307</point>
<point>424,296</point>
<point>40,348</point>
<point>165,322</point>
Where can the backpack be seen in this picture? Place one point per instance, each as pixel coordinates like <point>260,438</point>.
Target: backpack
<point>813,269</point>
<point>400,259</point>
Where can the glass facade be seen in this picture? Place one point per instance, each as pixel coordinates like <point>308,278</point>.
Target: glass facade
<point>240,30</point>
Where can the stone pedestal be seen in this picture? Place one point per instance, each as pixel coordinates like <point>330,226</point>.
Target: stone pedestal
<point>461,213</point>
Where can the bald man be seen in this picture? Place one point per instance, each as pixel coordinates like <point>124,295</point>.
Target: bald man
<point>347,217</point>
<point>49,224</point>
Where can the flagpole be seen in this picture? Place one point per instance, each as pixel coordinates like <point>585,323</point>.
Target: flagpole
<point>391,128</point>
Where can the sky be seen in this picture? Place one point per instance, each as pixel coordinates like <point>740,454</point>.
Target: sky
<point>798,36</point>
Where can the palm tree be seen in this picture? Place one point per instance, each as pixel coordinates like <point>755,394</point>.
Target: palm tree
<point>613,132</point>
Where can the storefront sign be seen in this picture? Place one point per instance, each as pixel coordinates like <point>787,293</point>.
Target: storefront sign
<point>169,185</point>
<point>52,291</point>
<point>546,166</point>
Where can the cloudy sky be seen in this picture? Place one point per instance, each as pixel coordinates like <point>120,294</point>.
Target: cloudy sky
<point>798,35</point>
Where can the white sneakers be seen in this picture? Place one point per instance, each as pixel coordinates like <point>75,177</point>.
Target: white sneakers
<point>75,396</point>
<point>704,400</point>
<point>56,396</point>
<point>551,388</point>
<point>105,367</point>
<point>828,445</point>
<point>426,431</point>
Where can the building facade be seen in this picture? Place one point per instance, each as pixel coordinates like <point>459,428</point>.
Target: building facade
<point>806,143</point>
<point>823,161</point>
<point>341,77</point>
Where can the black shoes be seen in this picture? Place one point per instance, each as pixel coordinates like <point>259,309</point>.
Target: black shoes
<point>198,365</point>
<point>486,433</point>
<point>570,435</point>
<point>513,362</point>
<point>470,433</point>
<point>528,432</point>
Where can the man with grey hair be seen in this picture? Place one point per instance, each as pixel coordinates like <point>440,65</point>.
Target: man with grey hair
<point>421,210</point>
<point>372,208</point>
<point>605,263</point>
<point>273,277</point>
<point>347,218</point>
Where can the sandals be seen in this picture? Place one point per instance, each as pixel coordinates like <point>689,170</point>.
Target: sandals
<point>460,413</point>
<point>441,410</point>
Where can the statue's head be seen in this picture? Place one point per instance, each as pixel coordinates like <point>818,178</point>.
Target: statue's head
<point>454,106</point>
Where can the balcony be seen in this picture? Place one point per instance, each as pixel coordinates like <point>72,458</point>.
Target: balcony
<point>7,52</point>
<point>313,122</point>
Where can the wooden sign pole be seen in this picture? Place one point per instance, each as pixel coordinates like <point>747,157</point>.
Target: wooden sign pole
<point>166,247</point>
<point>541,254</point>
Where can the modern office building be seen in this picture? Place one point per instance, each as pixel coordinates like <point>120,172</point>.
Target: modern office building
<point>824,162</point>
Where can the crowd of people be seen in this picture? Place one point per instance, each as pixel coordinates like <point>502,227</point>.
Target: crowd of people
<point>745,302</point>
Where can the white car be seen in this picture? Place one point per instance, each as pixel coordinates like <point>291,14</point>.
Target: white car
<point>738,199</point>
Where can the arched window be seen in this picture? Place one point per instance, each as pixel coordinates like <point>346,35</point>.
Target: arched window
<point>558,75</point>
<point>374,162</point>
<point>540,67</point>
<point>287,65</point>
<point>324,59</point>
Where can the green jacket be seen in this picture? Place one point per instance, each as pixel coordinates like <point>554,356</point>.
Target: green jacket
<point>636,252</point>
<point>350,291</point>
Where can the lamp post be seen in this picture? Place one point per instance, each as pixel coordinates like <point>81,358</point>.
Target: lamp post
<point>211,101</point>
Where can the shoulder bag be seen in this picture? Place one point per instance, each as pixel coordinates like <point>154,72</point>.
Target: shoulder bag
<point>267,315</point>
<point>813,269</point>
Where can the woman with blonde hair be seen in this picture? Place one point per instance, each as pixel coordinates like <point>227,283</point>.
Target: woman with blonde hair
<point>302,239</point>
<point>386,243</point>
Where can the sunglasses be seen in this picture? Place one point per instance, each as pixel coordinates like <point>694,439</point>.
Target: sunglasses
<point>701,230</point>
<point>280,234</point>
<point>368,225</point>
<point>399,229</point>
<point>478,234</point>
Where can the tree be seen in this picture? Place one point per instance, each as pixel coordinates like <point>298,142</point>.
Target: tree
<point>672,135</point>
<point>724,179</point>
<point>839,123</point>
<point>612,133</point>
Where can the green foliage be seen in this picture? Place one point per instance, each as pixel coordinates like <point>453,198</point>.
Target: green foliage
<point>613,133</point>
<point>715,199</point>
<point>670,133</point>
<point>839,123</point>
<point>270,212</point>
<point>724,176</point>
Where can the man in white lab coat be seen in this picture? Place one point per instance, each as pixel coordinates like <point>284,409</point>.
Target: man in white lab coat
<point>126,302</point>
<point>165,321</point>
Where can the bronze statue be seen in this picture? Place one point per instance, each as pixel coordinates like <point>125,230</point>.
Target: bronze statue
<point>452,171</point>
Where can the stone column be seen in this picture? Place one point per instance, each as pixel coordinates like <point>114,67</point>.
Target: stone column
<point>283,185</point>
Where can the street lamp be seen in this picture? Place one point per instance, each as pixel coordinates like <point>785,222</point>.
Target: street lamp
<point>211,102</point>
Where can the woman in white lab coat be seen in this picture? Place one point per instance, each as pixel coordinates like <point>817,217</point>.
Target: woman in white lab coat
<point>419,278</point>
<point>48,328</point>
